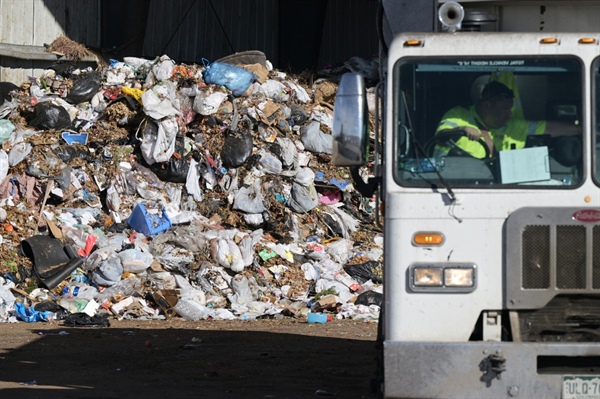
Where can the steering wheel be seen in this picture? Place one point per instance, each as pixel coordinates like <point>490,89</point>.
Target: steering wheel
<point>448,139</point>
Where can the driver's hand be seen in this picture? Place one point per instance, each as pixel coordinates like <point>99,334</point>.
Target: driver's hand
<point>472,133</point>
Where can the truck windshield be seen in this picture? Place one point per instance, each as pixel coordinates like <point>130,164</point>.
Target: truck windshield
<point>489,122</point>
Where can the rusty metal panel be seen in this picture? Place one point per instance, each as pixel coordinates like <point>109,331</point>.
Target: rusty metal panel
<point>190,30</point>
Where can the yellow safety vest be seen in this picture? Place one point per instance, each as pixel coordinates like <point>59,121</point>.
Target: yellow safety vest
<point>511,136</point>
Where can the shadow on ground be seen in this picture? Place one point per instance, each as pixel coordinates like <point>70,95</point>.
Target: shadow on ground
<point>168,363</point>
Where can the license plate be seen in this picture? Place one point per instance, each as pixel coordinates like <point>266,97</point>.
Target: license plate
<point>581,387</point>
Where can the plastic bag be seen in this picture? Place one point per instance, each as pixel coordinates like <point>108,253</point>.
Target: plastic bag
<point>228,254</point>
<point>340,250</point>
<point>122,288</point>
<point>288,151</point>
<point>29,314</point>
<point>191,183</point>
<point>315,140</point>
<point>164,68</point>
<point>303,196</point>
<point>175,170</point>
<point>208,104</point>
<point>236,150</point>
<point>159,102</point>
<point>270,164</point>
<point>242,291</point>
<point>108,272</point>
<point>250,199</point>
<point>18,153</point>
<point>6,129</point>
<point>158,142</point>
<point>236,79</point>
<point>3,165</point>
<point>5,89</point>
<point>50,116</point>
<point>135,261</point>
<point>84,88</point>
<point>369,298</point>
<point>364,272</point>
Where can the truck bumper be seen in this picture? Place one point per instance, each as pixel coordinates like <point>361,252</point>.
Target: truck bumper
<point>468,370</point>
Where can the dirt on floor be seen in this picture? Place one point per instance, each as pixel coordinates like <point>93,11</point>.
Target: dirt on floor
<point>177,359</point>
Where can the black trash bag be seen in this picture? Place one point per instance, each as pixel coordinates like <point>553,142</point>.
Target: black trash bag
<point>84,88</point>
<point>236,150</point>
<point>66,68</point>
<point>369,298</point>
<point>22,274</point>
<point>50,116</point>
<point>85,320</point>
<point>175,170</point>
<point>333,225</point>
<point>5,89</point>
<point>364,272</point>
<point>49,306</point>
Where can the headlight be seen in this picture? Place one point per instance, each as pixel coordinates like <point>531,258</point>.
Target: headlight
<point>428,277</point>
<point>442,277</point>
<point>458,277</point>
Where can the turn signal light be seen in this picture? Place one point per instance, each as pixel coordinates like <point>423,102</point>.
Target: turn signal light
<point>413,43</point>
<point>587,40</point>
<point>428,238</point>
<point>549,40</point>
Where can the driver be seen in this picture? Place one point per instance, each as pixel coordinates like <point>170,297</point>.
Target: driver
<point>490,119</point>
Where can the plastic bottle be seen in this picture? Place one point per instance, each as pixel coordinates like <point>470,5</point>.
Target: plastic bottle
<point>424,165</point>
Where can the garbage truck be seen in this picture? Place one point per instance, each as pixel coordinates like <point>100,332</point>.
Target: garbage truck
<point>491,247</point>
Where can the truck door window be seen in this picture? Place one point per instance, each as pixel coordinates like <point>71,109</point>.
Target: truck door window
<point>521,130</point>
<point>596,119</point>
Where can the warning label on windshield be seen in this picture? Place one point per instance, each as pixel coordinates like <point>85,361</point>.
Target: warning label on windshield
<point>492,63</point>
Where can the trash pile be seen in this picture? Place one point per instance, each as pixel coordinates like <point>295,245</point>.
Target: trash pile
<point>148,189</point>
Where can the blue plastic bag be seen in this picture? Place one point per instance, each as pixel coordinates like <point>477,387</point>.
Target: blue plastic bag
<point>30,315</point>
<point>233,77</point>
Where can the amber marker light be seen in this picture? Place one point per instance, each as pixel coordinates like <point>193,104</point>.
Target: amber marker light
<point>587,40</point>
<point>549,40</point>
<point>428,239</point>
<point>413,43</point>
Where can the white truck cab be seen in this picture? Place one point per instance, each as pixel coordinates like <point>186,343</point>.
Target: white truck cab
<point>491,263</point>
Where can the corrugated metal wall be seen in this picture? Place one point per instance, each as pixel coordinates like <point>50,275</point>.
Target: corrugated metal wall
<point>35,22</point>
<point>350,30</point>
<point>189,30</point>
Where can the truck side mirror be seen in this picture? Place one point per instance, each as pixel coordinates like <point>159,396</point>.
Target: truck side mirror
<point>350,122</point>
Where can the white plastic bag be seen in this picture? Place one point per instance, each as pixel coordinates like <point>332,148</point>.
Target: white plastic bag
<point>3,165</point>
<point>158,147</point>
<point>18,153</point>
<point>191,183</point>
<point>315,140</point>
<point>160,101</point>
<point>228,255</point>
<point>208,104</point>
<point>135,261</point>
<point>250,199</point>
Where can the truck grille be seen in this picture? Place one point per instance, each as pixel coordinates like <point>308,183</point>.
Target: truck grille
<point>571,256</point>
<point>550,253</point>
